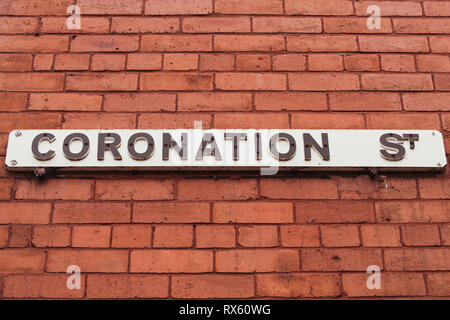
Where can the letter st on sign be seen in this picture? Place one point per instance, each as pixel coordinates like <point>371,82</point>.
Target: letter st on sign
<point>231,149</point>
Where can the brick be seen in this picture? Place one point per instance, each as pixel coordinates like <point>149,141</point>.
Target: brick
<point>72,61</point>
<point>108,62</point>
<point>11,121</point>
<point>209,236</point>
<point>174,212</point>
<point>110,6</point>
<point>22,261</point>
<point>322,120</point>
<point>287,25</point>
<point>361,62</point>
<point>34,43</point>
<point>365,101</point>
<point>442,81</point>
<point>131,236</point>
<point>345,259</point>
<point>253,62</point>
<point>204,189</point>
<point>393,44</point>
<point>250,81</point>
<point>390,8</point>
<point>85,212</point>
<point>53,189</point>
<point>257,260</point>
<point>174,121</point>
<point>172,236</point>
<point>252,212</point>
<point>130,190</point>
<point>15,62</point>
<point>248,7</point>
<point>126,286</point>
<point>380,236</point>
<point>31,81</point>
<point>258,236</point>
<point>89,260</point>
<point>431,188</point>
<point>43,62</point>
<point>438,283</point>
<point>217,101</point>
<point>51,236</point>
<point>392,284</point>
<point>88,25</point>
<point>91,236</point>
<point>296,285</point>
<point>139,102</point>
<point>144,61</point>
<point>298,189</point>
<point>421,25</point>
<point>10,101</point>
<point>176,81</point>
<point>99,120</point>
<point>102,82</point>
<point>20,236</point>
<point>412,211</point>
<point>289,62</point>
<point>34,7</point>
<point>144,25</point>
<point>354,25</point>
<point>436,8</point>
<point>433,63</point>
<point>397,82</point>
<point>4,236</point>
<point>251,121</point>
<point>270,43</point>
<point>212,286</point>
<point>171,261</point>
<point>5,189</point>
<point>413,121</point>
<point>321,43</point>
<point>398,62</point>
<point>363,187</point>
<point>340,236</point>
<point>323,81</point>
<point>280,101</point>
<point>41,286</point>
<point>299,236</point>
<point>420,235</point>
<point>65,101</point>
<point>417,259</point>
<point>216,24</point>
<point>319,7</point>
<point>178,7</point>
<point>104,43</point>
<point>325,62</point>
<point>25,213</point>
<point>440,44</point>
<point>216,61</point>
<point>176,43</point>
<point>180,61</point>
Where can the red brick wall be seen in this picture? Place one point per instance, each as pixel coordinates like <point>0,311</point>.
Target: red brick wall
<point>231,64</point>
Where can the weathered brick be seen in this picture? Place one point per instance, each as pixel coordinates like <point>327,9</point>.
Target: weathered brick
<point>257,260</point>
<point>103,120</point>
<point>174,212</point>
<point>51,236</point>
<point>144,25</point>
<point>417,259</point>
<point>432,188</point>
<point>178,7</point>
<point>216,61</point>
<point>140,102</point>
<point>340,259</point>
<point>212,286</point>
<point>252,212</point>
<point>65,101</point>
<point>41,286</point>
<point>54,189</point>
<point>365,101</point>
<point>25,213</point>
<point>130,190</point>
<point>88,25</point>
<point>436,8</point>
<point>390,8</point>
<point>171,261</point>
<point>248,7</point>
<point>299,189</point>
<point>380,236</point>
<point>175,81</point>
<point>11,121</point>
<point>325,62</point>
<point>398,62</point>
<point>44,43</point>
<point>216,24</point>
<point>248,43</point>
<point>433,63</point>
<point>174,120</point>
<point>11,101</point>
<point>397,82</point>
<point>102,81</point>
<point>210,236</point>
<point>22,261</point>
<point>354,25</point>
<point>104,43</point>
<point>412,211</point>
<point>420,235</point>
<point>287,24</point>
<point>108,62</point>
<point>131,236</point>
<point>20,236</point>
<point>295,285</point>
<point>180,61</point>
<point>251,120</point>
<point>72,61</point>
<point>421,25</point>
<point>253,62</point>
<point>340,236</point>
<point>280,101</point>
<point>289,62</point>
<point>217,101</point>
<point>362,62</point>
<point>31,81</point>
<point>15,62</point>
<point>299,236</point>
<point>110,6</point>
<point>144,61</point>
<point>393,44</point>
<point>34,7</point>
<point>91,236</point>
<point>413,121</point>
<point>323,81</point>
<point>319,7</point>
<point>85,212</point>
<point>438,283</point>
<point>176,43</point>
<point>173,236</point>
<point>204,189</point>
<point>321,43</point>
<point>258,236</point>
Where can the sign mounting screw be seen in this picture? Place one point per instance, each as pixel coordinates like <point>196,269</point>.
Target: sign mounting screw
<point>13,163</point>
<point>18,133</point>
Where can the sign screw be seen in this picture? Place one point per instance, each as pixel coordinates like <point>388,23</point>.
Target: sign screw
<point>439,164</point>
<point>18,133</point>
<point>13,163</point>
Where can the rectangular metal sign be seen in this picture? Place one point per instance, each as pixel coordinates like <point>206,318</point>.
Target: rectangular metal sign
<point>246,149</point>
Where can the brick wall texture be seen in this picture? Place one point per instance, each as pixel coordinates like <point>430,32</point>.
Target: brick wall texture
<point>310,64</point>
